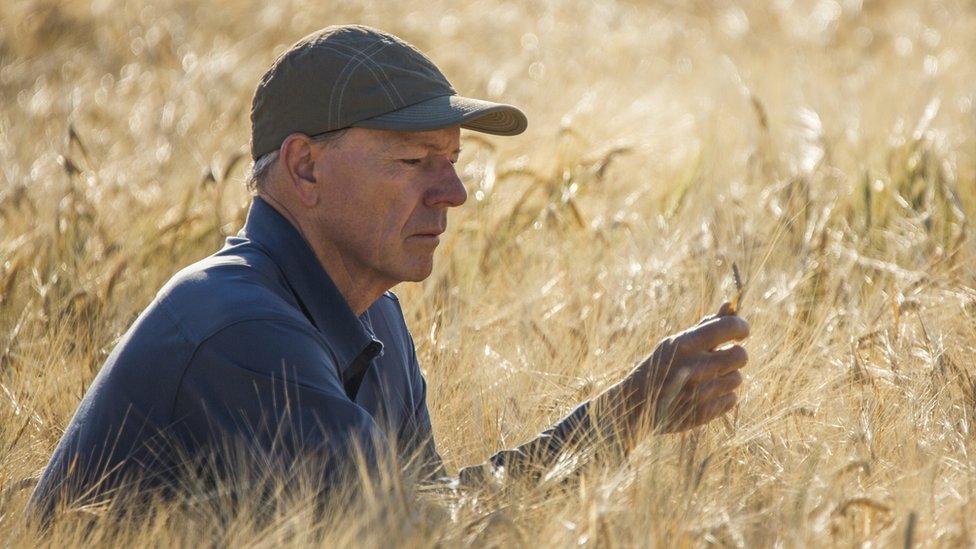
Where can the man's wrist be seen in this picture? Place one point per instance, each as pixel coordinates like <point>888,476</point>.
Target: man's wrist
<point>620,408</point>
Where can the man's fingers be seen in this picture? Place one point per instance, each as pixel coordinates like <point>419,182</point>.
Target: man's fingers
<point>724,310</point>
<point>714,408</point>
<point>714,388</point>
<point>713,333</point>
<point>712,365</point>
<point>727,360</point>
<point>691,383</point>
<point>682,417</point>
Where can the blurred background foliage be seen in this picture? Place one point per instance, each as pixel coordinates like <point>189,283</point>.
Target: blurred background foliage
<point>829,148</point>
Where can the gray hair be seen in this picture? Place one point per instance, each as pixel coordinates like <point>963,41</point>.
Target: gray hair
<point>260,171</point>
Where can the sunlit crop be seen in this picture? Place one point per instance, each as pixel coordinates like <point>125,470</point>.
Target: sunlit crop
<point>827,148</point>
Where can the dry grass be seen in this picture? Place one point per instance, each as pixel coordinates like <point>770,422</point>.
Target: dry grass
<point>828,148</point>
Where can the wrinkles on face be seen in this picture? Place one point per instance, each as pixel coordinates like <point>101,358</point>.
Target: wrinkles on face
<point>385,188</point>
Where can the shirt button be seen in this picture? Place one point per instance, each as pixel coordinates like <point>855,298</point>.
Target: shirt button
<point>375,347</point>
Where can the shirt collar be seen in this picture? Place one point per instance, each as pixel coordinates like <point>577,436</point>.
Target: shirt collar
<point>350,337</point>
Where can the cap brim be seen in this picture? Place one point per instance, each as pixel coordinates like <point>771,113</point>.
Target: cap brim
<point>451,110</point>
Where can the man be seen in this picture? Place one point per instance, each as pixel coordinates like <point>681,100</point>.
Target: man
<point>289,341</point>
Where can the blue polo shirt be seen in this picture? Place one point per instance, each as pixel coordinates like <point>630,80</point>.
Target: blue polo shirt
<point>255,345</point>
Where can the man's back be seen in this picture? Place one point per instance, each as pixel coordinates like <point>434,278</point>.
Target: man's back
<point>252,344</point>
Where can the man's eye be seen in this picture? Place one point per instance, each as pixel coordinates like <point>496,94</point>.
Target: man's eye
<point>411,161</point>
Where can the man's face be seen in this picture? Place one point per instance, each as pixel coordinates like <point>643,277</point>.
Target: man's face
<point>385,199</point>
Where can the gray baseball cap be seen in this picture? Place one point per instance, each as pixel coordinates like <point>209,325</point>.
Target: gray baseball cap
<point>353,75</point>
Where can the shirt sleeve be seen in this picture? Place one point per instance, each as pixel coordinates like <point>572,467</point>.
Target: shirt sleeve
<point>575,432</point>
<point>422,449</point>
<point>272,388</point>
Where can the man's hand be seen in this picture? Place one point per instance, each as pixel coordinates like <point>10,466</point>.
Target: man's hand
<point>691,377</point>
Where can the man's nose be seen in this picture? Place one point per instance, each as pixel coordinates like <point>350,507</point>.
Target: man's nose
<point>449,190</point>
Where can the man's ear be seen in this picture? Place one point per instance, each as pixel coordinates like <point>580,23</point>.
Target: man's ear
<point>298,164</point>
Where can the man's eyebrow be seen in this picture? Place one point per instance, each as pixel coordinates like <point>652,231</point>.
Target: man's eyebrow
<point>428,145</point>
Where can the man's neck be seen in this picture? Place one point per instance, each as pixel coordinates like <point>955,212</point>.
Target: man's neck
<point>358,289</point>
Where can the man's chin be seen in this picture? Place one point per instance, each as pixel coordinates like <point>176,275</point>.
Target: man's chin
<point>417,272</point>
<point>418,276</point>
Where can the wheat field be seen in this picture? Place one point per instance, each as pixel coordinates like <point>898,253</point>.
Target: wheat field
<point>828,148</point>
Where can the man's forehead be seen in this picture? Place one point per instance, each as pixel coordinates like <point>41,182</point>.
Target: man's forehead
<point>437,139</point>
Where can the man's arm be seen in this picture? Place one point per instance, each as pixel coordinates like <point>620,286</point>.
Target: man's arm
<point>685,382</point>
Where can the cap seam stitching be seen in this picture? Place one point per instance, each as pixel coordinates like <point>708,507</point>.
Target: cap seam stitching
<point>356,56</point>
<point>382,82</point>
<point>349,78</point>
<point>385,82</point>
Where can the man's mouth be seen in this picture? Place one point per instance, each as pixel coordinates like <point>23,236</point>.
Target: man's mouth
<point>430,233</point>
<point>427,237</point>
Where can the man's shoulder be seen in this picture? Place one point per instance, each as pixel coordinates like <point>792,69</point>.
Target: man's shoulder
<point>389,298</point>
<point>388,321</point>
<point>236,284</point>
<point>387,306</point>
